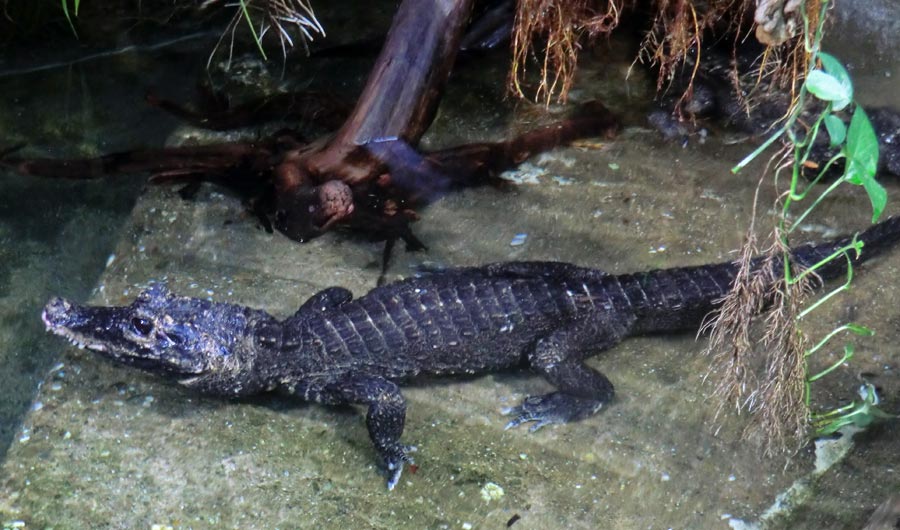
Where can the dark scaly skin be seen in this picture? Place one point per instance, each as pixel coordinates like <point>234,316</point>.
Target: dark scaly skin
<point>336,350</point>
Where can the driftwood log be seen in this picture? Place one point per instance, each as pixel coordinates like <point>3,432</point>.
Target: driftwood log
<point>369,174</point>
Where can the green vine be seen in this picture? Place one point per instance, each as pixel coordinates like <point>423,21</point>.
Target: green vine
<point>827,83</point>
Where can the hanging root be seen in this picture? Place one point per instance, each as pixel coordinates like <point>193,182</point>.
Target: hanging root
<point>780,412</point>
<point>563,24</point>
<point>730,328</point>
<point>768,382</point>
<point>672,41</point>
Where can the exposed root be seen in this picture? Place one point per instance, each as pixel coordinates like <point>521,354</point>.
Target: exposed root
<point>731,339</point>
<point>563,24</point>
<point>780,413</point>
<point>767,382</point>
<point>672,42</point>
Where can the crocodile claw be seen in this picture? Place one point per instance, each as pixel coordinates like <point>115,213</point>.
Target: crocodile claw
<point>524,418</point>
<point>555,407</point>
<point>394,462</point>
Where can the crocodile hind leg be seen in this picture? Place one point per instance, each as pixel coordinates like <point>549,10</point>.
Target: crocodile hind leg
<point>559,357</point>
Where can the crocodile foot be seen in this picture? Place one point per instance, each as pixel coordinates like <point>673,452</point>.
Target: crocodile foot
<point>555,407</point>
<point>394,458</point>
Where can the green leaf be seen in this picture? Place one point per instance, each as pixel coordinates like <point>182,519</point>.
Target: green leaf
<point>243,5</point>
<point>827,88</point>
<point>877,196</point>
<point>860,330</point>
<point>862,160</point>
<point>837,70</point>
<point>65,8</point>
<point>861,414</point>
<point>837,131</point>
<point>861,149</point>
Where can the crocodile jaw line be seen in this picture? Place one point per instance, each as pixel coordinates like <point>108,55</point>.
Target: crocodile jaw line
<point>72,337</point>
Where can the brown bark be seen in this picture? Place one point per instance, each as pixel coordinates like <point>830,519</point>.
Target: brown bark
<point>402,92</point>
<point>170,163</point>
<point>303,209</point>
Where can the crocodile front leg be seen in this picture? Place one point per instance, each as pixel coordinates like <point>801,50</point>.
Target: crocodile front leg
<point>559,357</point>
<point>328,298</point>
<point>385,417</point>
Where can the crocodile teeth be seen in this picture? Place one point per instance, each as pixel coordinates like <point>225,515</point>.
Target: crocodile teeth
<point>81,345</point>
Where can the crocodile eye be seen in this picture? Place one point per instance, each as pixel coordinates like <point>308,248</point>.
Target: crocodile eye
<point>142,325</point>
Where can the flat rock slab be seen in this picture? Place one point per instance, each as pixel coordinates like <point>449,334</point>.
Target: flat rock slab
<point>108,447</point>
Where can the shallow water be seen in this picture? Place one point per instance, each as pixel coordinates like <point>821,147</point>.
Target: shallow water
<point>56,236</point>
<point>102,446</point>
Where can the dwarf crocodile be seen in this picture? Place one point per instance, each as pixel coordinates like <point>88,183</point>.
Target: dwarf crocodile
<point>338,350</point>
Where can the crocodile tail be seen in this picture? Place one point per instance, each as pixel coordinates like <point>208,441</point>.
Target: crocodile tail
<point>875,239</point>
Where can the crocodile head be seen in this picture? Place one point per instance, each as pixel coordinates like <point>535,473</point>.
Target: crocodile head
<point>197,342</point>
